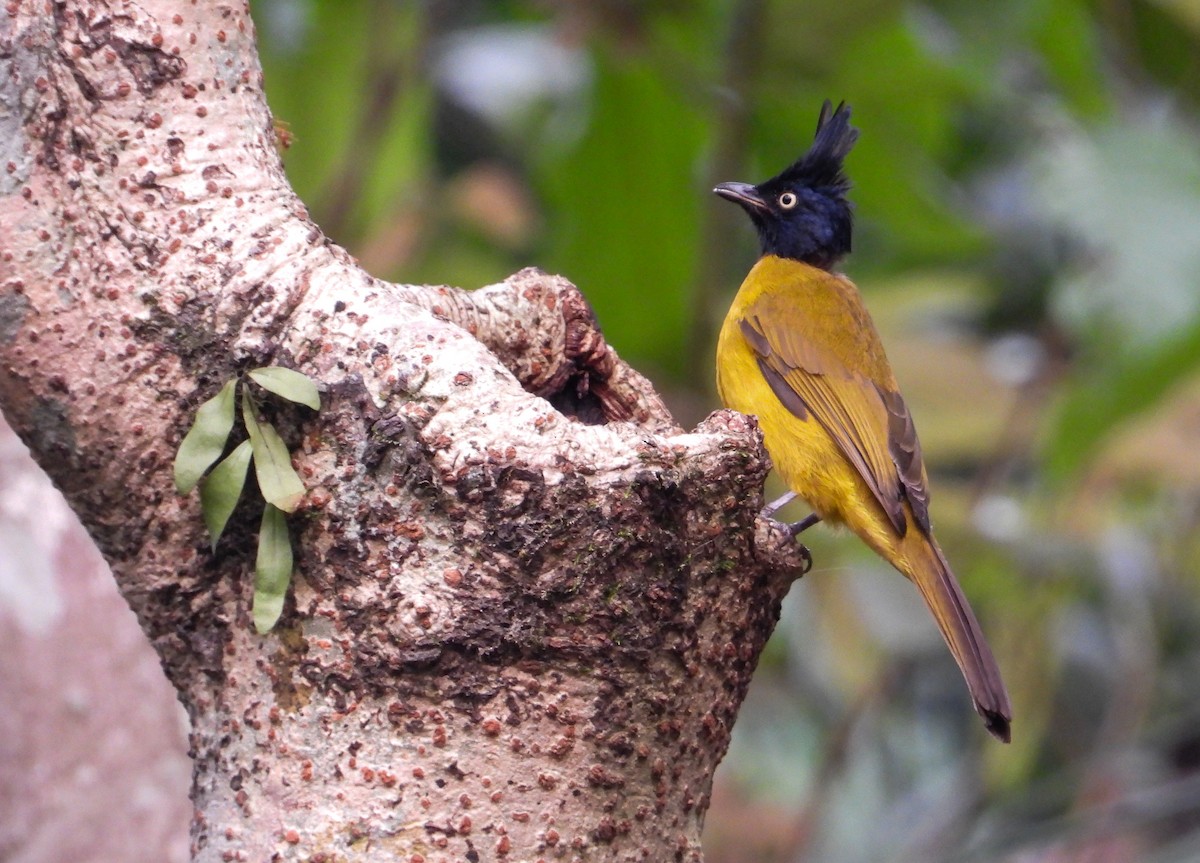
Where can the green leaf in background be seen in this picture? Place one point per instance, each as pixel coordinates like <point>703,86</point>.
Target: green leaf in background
<point>627,201</point>
<point>1070,48</point>
<point>277,479</point>
<point>320,62</point>
<point>272,569</point>
<point>901,188</point>
<point>1126,388</point>
<point>289,384</point>
<point>220,490</point>
<point>205,441</point>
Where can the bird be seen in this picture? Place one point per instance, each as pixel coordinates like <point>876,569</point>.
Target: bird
<point>799,351</point>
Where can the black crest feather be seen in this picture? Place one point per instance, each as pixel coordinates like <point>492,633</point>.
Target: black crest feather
<point>821,167</point>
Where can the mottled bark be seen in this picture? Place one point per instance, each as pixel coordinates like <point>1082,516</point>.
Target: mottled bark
<point>526,605</point>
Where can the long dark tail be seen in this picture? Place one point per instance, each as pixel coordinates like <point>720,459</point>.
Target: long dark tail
<point>928,569</point>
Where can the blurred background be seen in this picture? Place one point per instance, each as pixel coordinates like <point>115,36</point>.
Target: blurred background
<point>1027,186</point>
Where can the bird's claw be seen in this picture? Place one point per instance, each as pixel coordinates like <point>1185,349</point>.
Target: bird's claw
<point>795,528</point>
<point>806,556</point>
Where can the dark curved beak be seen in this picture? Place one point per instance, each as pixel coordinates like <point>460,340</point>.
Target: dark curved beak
<point>742,193</point>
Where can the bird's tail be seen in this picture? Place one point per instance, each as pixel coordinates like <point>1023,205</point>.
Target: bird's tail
<point>929,571</point>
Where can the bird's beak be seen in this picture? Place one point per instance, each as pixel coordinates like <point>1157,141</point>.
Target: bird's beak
<point>742,193</point>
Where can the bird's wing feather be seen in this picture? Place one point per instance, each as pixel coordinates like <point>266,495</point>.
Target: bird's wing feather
<point>905,449</point>
<point>867,420</point>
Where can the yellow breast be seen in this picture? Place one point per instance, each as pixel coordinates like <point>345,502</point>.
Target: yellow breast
<point>804,455</point>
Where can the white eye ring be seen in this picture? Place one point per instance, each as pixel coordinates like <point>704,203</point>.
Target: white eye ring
<point>787,200</point>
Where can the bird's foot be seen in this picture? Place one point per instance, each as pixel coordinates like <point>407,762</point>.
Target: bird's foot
<point>798,527</point>
<point>795,529</point>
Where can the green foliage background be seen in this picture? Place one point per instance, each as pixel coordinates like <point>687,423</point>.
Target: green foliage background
<point>1027,187</point>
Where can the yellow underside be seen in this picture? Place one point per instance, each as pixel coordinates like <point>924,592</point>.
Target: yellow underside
<point>805,456</point>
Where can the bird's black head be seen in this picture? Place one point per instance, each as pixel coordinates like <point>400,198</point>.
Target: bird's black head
<point>803,213</point>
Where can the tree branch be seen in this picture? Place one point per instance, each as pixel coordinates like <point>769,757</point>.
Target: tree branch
<point>526,606</point>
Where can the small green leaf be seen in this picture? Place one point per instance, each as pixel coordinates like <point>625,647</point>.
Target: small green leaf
<point>277,479</point>
<point>272,569</point>
<point>289,384</point>
<point>205,441</point>
<point>220,490</point>
<point>1129,385</point>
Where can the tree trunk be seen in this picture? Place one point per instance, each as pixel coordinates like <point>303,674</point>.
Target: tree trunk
<point>525,606</point>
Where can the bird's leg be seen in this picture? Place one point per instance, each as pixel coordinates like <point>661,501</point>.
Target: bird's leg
<point>778,504</point>
<point>795,529</point>
<point>798,527</point>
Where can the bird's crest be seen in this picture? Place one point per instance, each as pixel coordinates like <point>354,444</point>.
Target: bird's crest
<point>821,167</point>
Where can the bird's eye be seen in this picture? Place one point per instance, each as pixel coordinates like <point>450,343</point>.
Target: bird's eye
<point>787,200</point>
